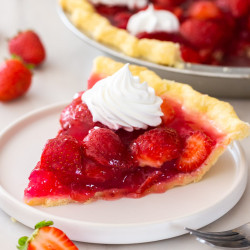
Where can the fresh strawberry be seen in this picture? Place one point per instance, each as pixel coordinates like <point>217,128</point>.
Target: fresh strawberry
<point>197,148</point>
<point>204,10</point>
<point>15,79</point>
<point>104,146</point>
<point>156,146</point>
<point>203,33</point>
<point>28,46</point>
<point>63,155</point>
<point>168,111</point>
<point>46,237</point>
<point>76,119</point>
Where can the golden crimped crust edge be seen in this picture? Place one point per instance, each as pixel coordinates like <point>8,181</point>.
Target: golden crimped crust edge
<point>83,15</point>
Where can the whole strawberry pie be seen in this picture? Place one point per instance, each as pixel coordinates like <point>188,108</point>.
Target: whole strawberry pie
<point>129,135</point>
<point>168,32</point>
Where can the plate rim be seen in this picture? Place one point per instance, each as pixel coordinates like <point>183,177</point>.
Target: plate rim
<point>7,201</point>
<point>189,68</point>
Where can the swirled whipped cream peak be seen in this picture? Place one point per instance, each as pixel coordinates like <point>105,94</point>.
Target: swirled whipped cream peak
<point>152,20</point>
<point>121,101</point>
<point>131,4</point>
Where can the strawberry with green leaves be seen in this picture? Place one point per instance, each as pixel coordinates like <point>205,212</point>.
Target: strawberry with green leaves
<point>28,46</point>
<point>46,237</point>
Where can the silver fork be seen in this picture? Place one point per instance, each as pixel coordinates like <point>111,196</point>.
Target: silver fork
<point>238,238</point>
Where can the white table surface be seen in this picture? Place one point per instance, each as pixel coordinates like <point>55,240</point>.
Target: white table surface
<point>65,72</point>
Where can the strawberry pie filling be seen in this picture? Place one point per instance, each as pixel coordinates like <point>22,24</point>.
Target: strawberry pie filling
<point>87,159</point>
<point>211,32</point>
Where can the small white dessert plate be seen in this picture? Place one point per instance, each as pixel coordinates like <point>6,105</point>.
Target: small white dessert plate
<point>154,217</point>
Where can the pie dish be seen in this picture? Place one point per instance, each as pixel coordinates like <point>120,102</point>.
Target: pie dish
<point>84,163</point>
<point>214,22</point>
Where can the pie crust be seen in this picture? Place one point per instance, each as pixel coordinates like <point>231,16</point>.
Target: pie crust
<point>218,114</point>
<point>84,17</point>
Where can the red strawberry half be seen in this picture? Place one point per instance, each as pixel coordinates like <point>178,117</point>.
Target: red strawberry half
<point>46,237</point>
<point>63,155</point>
<point>156,146</point>
<point>105,147</point>
<point>15,79</point>
<point>28,46</point>
<point>76,119</point>
<point>197,148</point>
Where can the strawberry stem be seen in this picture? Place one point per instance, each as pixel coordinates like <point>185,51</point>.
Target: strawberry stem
<point>43,224</point>
<point>23,242</point>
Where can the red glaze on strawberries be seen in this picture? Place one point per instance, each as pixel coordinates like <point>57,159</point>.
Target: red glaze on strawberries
<point>119,163</point>
<point>156,146</point>
<point>105,147</point>
<point>63,154</point>
<point>44,183</point>
<point>76,119</point>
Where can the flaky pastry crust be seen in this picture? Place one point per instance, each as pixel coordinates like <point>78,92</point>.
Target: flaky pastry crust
<point>83,15</point>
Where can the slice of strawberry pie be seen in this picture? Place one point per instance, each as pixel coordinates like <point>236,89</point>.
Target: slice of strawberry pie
<point>130,135</point>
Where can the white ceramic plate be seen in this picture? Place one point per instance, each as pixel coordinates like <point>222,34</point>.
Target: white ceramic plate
<point>154,217</point>
<point>213,80</point>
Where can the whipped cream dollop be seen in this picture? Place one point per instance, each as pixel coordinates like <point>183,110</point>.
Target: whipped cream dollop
<point>121,101</point>
<point>151,20</point>
<point>131,4</point>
